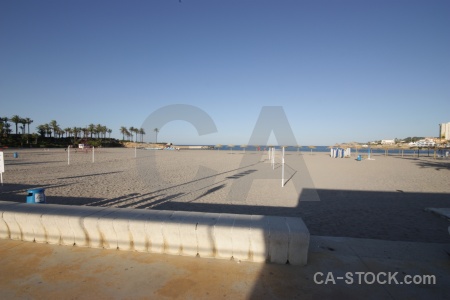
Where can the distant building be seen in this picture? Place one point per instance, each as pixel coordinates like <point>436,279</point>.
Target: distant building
<point>426,142</point>
<point>444,131</point>
<point>387,142</point>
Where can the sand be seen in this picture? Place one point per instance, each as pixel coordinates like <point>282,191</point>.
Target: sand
<point>384,198</point>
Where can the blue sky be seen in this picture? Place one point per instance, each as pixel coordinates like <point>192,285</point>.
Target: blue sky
<point>342,70</point>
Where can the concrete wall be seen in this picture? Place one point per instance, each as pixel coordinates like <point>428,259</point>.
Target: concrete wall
<point>214,235</point>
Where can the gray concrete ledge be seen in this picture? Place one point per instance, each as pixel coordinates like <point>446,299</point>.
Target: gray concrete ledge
<point>443,212</point>
<point>252,238</point>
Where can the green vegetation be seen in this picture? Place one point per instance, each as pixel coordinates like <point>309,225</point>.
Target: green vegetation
<point>132,132</point>
<point>52,135</point>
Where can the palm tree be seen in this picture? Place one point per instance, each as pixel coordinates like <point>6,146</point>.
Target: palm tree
<point>48,129</point>
<point>123,131</point>
<point>98,130</point>
<point>109,132</point>
<point>29,121</point>
<point>102,129</point>
<point>142,132</point>
<point>91,129</point>
<point>4,123</point>
<point>131,131</point>
<point>136,132</point>
<point>156,130</point>
<point>76,131</point>
<point>85,131</point>
<point>23,122</point>
<point>67,130</point>
<point>16,120</point>
<point>7,128</point>
<point>54,126</point>
<point>41,129</point>
<point>2,127</point>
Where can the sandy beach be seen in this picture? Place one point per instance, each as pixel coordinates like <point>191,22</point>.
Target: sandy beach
<point>382,198</point>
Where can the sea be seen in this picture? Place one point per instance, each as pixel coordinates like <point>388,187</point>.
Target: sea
<point>322,149</point>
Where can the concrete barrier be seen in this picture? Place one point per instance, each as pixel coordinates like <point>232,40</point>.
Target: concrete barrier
<point>215,235</point>
<point>154,229</point>
<point>222,235</point>
<point>4,229</point>
<point>259,238</point>
<point>206,246</point>
<point>93,224</point>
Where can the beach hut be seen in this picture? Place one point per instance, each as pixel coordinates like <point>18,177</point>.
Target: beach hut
<point>331,150</point>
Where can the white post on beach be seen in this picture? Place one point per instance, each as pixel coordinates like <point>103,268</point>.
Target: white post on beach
<point>93,154</point>
<point>282,167</point>
<point>134,152</point>
<point>68,155</point>
<point>2,166</point>
<point>273,158</point>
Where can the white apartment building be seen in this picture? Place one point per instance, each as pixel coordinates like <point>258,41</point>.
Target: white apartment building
<point>444,131</point>
<point>387,142</point>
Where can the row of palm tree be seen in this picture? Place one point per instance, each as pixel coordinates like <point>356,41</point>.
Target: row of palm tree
<point>92,131</point>
<point>128,132</point>
<point>53,129</point>
<point>5,126</point>
<point>132,131</point>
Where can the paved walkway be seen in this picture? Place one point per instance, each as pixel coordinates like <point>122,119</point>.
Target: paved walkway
<point>38,271</point>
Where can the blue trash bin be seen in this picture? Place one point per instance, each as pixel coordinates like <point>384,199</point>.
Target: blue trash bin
<point>36,196</point>
<point>358,158</point>
<point>16,155</point>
